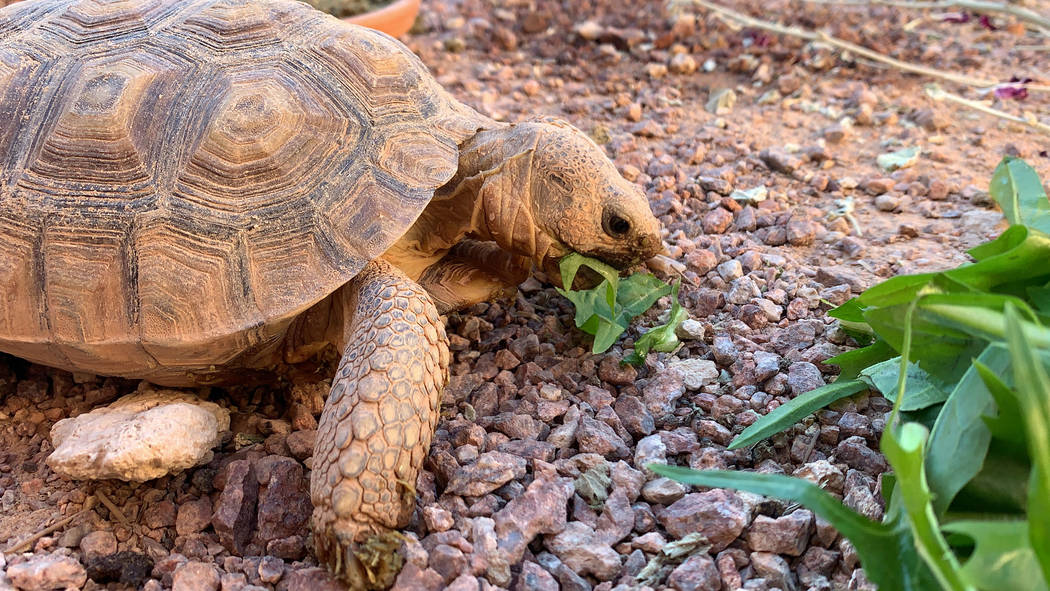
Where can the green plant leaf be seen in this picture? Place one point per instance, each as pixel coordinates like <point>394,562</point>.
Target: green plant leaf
<point>904,449</point>
<point>801,406</point>
<point>959,439</point>
<point>1002,557</point>
<point>638,293</point>
<point>1008,423</point>
<point>1032,385</point>
<point>570,265</point>
<point>886,550</point>
<point>923,389</point>
<point>1016,187</point>
<point>660,338</point>
<point>853,362</point>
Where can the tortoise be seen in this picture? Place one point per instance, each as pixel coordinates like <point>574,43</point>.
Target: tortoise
<point>193,190</point>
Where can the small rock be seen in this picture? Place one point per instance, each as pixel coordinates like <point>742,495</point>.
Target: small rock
<point>534,577</point>
<point>662,392</point>
<point>855,452</point>
<point>284,503</point>
<point>195,576</point>
<point>788,534</point>
<point>663,491</point>
<point>767,365</point>
<point>610,370</point>
<point>696,373</point>
<point>774,569</point>
<point>301,443</point>
<point>717,514</point>
<point>578,548</point>
<point>877,185</point>
<point>43,572</point>
<point>98,543</point>
<point>683,63</point>
<point>887,202</point>
<point>539,510</point>
<point>234,514</point>
<point>318,579</point>
<point>193,516</point>
<point>780,161</point>
<point>690,330</point>
<point>492,470</point>
<point>448,561</point>
<point>724,350</point>
<point>437,518</point>
<point>634,416</point>
<point>717,221</point>
<point>696,573</point>
<point>730,270</point>
<point>650,450</point>
<point>271,569</point>
<point>701,260</point>
<point>594,436</point>
<point>139,437</point>
<point>803,377</point>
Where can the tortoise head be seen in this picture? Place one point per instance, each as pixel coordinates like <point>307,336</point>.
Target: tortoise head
<point>582,204</point>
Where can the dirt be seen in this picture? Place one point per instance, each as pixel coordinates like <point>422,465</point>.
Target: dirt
<point>571,430</point>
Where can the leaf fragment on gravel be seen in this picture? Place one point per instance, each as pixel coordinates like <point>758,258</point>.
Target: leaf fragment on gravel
<point>900,159</point>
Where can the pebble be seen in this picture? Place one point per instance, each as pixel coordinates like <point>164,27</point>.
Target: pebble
<point>774,569</point>
<point>663,491</point>
<point>696,573</point>
<point>854,451</point>
<point>887,202</point>
<point>717,514</point>
<point>539,510</point>
<point>195,576</point>
<point>578,548</point>
<point>788,534</point>
<point>43,572</point>
<point>730,270</point>
<point>234,514</point>
<point>284,503</point>
<point>98,543</point>
<point>803,377</point>
<point>594,436</point>
<point>662,392</point>
<point>193,516</point>
<point>690,330</point>
<point>696,373</point>
<point>717,221</point>
<point>492,470</point>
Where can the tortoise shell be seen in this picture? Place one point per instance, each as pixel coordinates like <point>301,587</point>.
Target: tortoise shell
<point>179,179</point>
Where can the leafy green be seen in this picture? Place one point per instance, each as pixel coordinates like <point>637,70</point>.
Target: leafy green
<point>1016,187</point>
<point>660,338</point>
<point>607,309</point>
<point>1033,393</point>
<point>923,389</point>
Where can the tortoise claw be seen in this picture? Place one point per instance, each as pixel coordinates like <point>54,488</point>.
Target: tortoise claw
<point>372,565</point>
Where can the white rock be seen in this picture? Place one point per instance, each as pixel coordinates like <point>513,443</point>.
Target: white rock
<point>696,373</point>
<point>139,437</point>
<point>47,571</point>
<point>690,330</point>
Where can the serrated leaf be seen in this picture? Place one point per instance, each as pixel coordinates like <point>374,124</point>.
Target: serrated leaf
<point>1015,186</point>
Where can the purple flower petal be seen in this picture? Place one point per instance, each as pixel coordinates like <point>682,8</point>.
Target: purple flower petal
<point>986,22</point>
<point>1011,91</point>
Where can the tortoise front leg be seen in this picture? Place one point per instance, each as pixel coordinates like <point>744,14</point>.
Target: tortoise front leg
<point>377,425</point>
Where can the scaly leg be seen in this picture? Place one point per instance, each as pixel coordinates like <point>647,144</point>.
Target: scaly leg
<point>377,425</point>
<point>474,272</point>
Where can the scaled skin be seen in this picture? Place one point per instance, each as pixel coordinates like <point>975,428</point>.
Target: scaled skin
<point>523,194</point>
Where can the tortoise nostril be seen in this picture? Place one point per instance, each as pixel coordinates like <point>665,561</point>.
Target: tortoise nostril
<point>616,226</point>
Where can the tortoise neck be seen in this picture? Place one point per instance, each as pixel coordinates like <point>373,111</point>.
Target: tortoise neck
<point>495,175</point>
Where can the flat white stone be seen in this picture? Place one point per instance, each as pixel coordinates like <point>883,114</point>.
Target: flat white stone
<point>141,436</point>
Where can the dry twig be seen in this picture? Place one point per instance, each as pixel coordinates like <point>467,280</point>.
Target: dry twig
<point>28,542</point>
<point>112,507</point>
<point>1029,119</point>
<point>979,6</point>
<point>822,37</point>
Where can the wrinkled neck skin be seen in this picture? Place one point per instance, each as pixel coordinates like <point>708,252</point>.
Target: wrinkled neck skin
<point>487,199</point>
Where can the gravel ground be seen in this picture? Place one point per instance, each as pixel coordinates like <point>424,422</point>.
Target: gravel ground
<point>535,479</point>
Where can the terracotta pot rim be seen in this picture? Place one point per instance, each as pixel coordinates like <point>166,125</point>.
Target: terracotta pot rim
<point>394,19</point>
